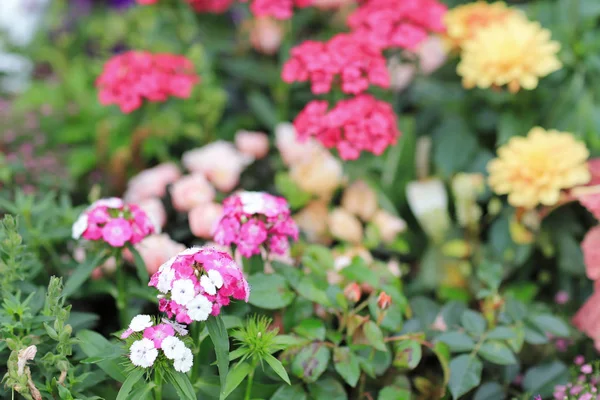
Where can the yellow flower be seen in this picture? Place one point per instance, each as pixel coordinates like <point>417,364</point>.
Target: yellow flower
<point>515,52</point>
<point>462,22</point>
<point>533,170</point>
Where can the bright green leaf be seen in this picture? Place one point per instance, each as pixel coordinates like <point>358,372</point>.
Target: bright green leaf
<point>235,377</point>
<point>218,335</point>
<point>374,335</point>
<point>408,354</point>
<point>269,291</point>
<point>133,378</point>
<point>278,368</point>
<point>346,364</point>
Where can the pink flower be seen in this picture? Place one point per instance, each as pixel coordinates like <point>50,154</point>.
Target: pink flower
<point>279,9</point>
<point>253,144</point>
<point>155,250</point>
<point>432,54</point>
<point>191,191</point>
<point>586,369</point>
<point>587,318</point>
<point>362,123</point>
<point>155,211</point>
<point>204,218</point>
<point>158,333</point>
<point>117,232</point>
<point>151,182</point>
<point>129,78</point>
<point>293,150</point>
<point>219,161</point>
<point>591,253</point>
<point>252,220</point>
<point>561,297</point>
<point>211,6</point>
<point>579,360</point>
<point>266,35</point>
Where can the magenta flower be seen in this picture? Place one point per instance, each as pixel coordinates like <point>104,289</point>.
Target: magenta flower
<point>252,220</point>
<point>586,369</point>
<point>117,232</point>
<point>158,333</point>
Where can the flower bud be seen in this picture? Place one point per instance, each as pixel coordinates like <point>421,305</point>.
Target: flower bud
<point>352,292</point>
<point>384,301</point>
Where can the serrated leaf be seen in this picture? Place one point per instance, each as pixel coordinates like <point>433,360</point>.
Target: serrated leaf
<point>374,335</point>
<point>497,352</point>
<point>473,322</point>
<point>465,374</point>
<point>502,333</point>
<point>346,364</point>
<point>542,378</point>
<point>457,341</point>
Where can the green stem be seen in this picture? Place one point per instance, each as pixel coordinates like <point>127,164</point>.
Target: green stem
<point>196,334</point>
<point>121,292</point>
<point>249,384</point>
<point>158,384</point>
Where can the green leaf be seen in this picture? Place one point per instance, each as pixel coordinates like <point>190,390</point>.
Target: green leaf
<point>94,344</point>
<point>465,374</point>
<point>277,367</point>
<point>346,364</point>
<point>311,362</point>
<point>312,329</point>
<point>489,391</point>
<point>497,352</point>
<point>358,271</point>
<point>473,322</point>
<point>327,388</point>
<point>235,377</point>
<point>502,333</point>
<point>270,291</point>
<point>374,335</point>
<point>442,352</point>
<point>457,341</point>
<point>263,108</point>
<point>140,265</point>
<point>294,392</point>
<point>408,354</point>
<point>133,378</point>
<point>394,393</point>
<point>307,289</point>
<point>551,324</point>
<point>297,197</point>
<point>82,273</point>
<point>454,145</point>
<point>490,273</point>
<point>182,384</point>
<point>97,359</point>
<point>218,335</point>
<point>542,378</point>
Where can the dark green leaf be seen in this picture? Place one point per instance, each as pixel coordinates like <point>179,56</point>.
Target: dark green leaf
<point>442,352</point>
<point>294,392</point>
<point>542,378</point>
<point>473,322</point>
<point>140,265</point>
<point>502,333</point>
<point>182,384</point>
<point>312,329</point>
<point>408,354</point>
<point>374,335</point>
<point>218,335</point>
<point>311,362</point>
<point>263,108</point>
<point>490,391</point>
<point>278,368</point>
<point>346,364</point>
<point>465,374</point>
<point>457,341</point>
<point>307,289</point>
<point>270,291</point>
<point>497,352</point>
<point>235,377</point>
<point>133,378</point>
<point>551,324</point>
<point>82,273</point>
<point>327,388</point>
<point>94,344</point>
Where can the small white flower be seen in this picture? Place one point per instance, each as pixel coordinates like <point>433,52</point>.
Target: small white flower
<point>167,264</point>
<point>211,282</point>
<point>185,362</point>
<point>199,308</point>
<point>140,322</point>
<point>252,202</point>
<point>179,328</point>
<point>190,251</point>
<point>79,226</point>
<point>182,291</point>
<point>172,347</point>
<point>110,202</point>
<point>143,353</point>
<point>165,280</point>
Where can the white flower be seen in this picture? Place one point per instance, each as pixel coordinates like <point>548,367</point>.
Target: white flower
<point>173,347</point>
<point>199,308</point>
<point>179,328</point>
<point>110,202</point>
<point>80,226</point>
<point>143,353</point>
<point>182,291</point>
<point>140,322</point>
<point>165,280</point>
<point>23,356</point>
<point>167,264</point>
<point>211,282</point>
<point>185,362</point>
<point>252,202</point>
<point>190,251</point>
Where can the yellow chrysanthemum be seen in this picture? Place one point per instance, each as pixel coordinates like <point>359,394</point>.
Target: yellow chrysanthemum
<point>533,170</point>
<point>515,52</point>
<point>463,21</point>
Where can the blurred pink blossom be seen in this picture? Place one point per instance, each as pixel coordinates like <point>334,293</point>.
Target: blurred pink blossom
<point>151,182</point>
<point>155,251</point>
<point>253,144</point>
<point>204,218</point>
<point>191,191</point>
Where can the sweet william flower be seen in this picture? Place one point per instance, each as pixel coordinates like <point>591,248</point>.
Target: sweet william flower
<point>155,211</point>
<point>143,353</point>
<point>117,232</point>
<point>173,347</point>
<point>199,308</point>
<point>522,53</point>
<point>266,35</point>
<point>291,149</point>
<point>211,6</point>
<point>182,291</point>
<point>158,333</point>
<point>185,362</point>
<point>533,170</point>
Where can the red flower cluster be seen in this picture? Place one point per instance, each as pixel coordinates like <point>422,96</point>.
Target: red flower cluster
<point>361,123</point>
<point>279,9</point>
<point>392,23</point>
<point>130,77</point>
<point>211,6</point>
<point>356,63</point>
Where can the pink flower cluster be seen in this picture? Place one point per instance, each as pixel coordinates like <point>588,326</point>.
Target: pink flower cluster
<point>131,77</point>
<point>114,222</point>
<point>391,23</point>
<point>197,283</point>
<point>279,9</point>
<point>356,63</point>
<point>362,123</point>
<point>254,219</point>
<point>211,6</point>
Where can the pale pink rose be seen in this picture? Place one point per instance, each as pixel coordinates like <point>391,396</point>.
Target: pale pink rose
<point>191,191</point>
<point>312,220</point>
<point>320,175</point>
<point>266,34</point>
<point>345,226</point>
<point>360,200</point>
<point>292,150</point>
<point>401,74</point>
<point>220,162</point>
<point>253,144</point>
<point>587,318</point>
<point>204,218</point>
<point>151,182</point>
<point>155,250</point>
<point>155,210</point>
<point>388,225</point>
<point>590,247</point>
<point>432,54</point>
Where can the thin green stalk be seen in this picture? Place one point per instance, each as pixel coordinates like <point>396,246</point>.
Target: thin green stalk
<point>121,292</point>
<point>249,384</point>
<point>158,384</point>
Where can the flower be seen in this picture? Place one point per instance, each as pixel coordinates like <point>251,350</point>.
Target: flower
<point>345,226</point>
<point>361,123</point>
<point>140,322</point>
<point>523,53</point>
<point>155,211</point>
<point>211,6</point>
<point>388,225</point>
<point>208,160</point>
<point>279,9</point>
<point>383,301</point>
<point>360,200</point>
<point>117,232</point>
<point>130,77</point>
<point>191,191</point>
<point>79,226</point>
<point>173,347</point>
<point>252,144</point>
<point>292,150</point>
<point>561,297</point>
<point>252,220</point>
<point>352,292</point>
<point>151,182</point>
<point>432,54</point>
<point>185,362</point>
<point>356,64</point>
<point>401,73</point>
<point>428,201</point>
<point>188,295</point>
<point>463,22</point>
<point>533,170</point>
<point>203,219</point>
<point>388,23</point>
<point>587,318</point>
<point>312,220</point>
<point>155,250</point>
<point>320,174</point>
<point>158,333</point>
<point>590,246</point>
<point>266,35</point>
<point>142,353</point>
